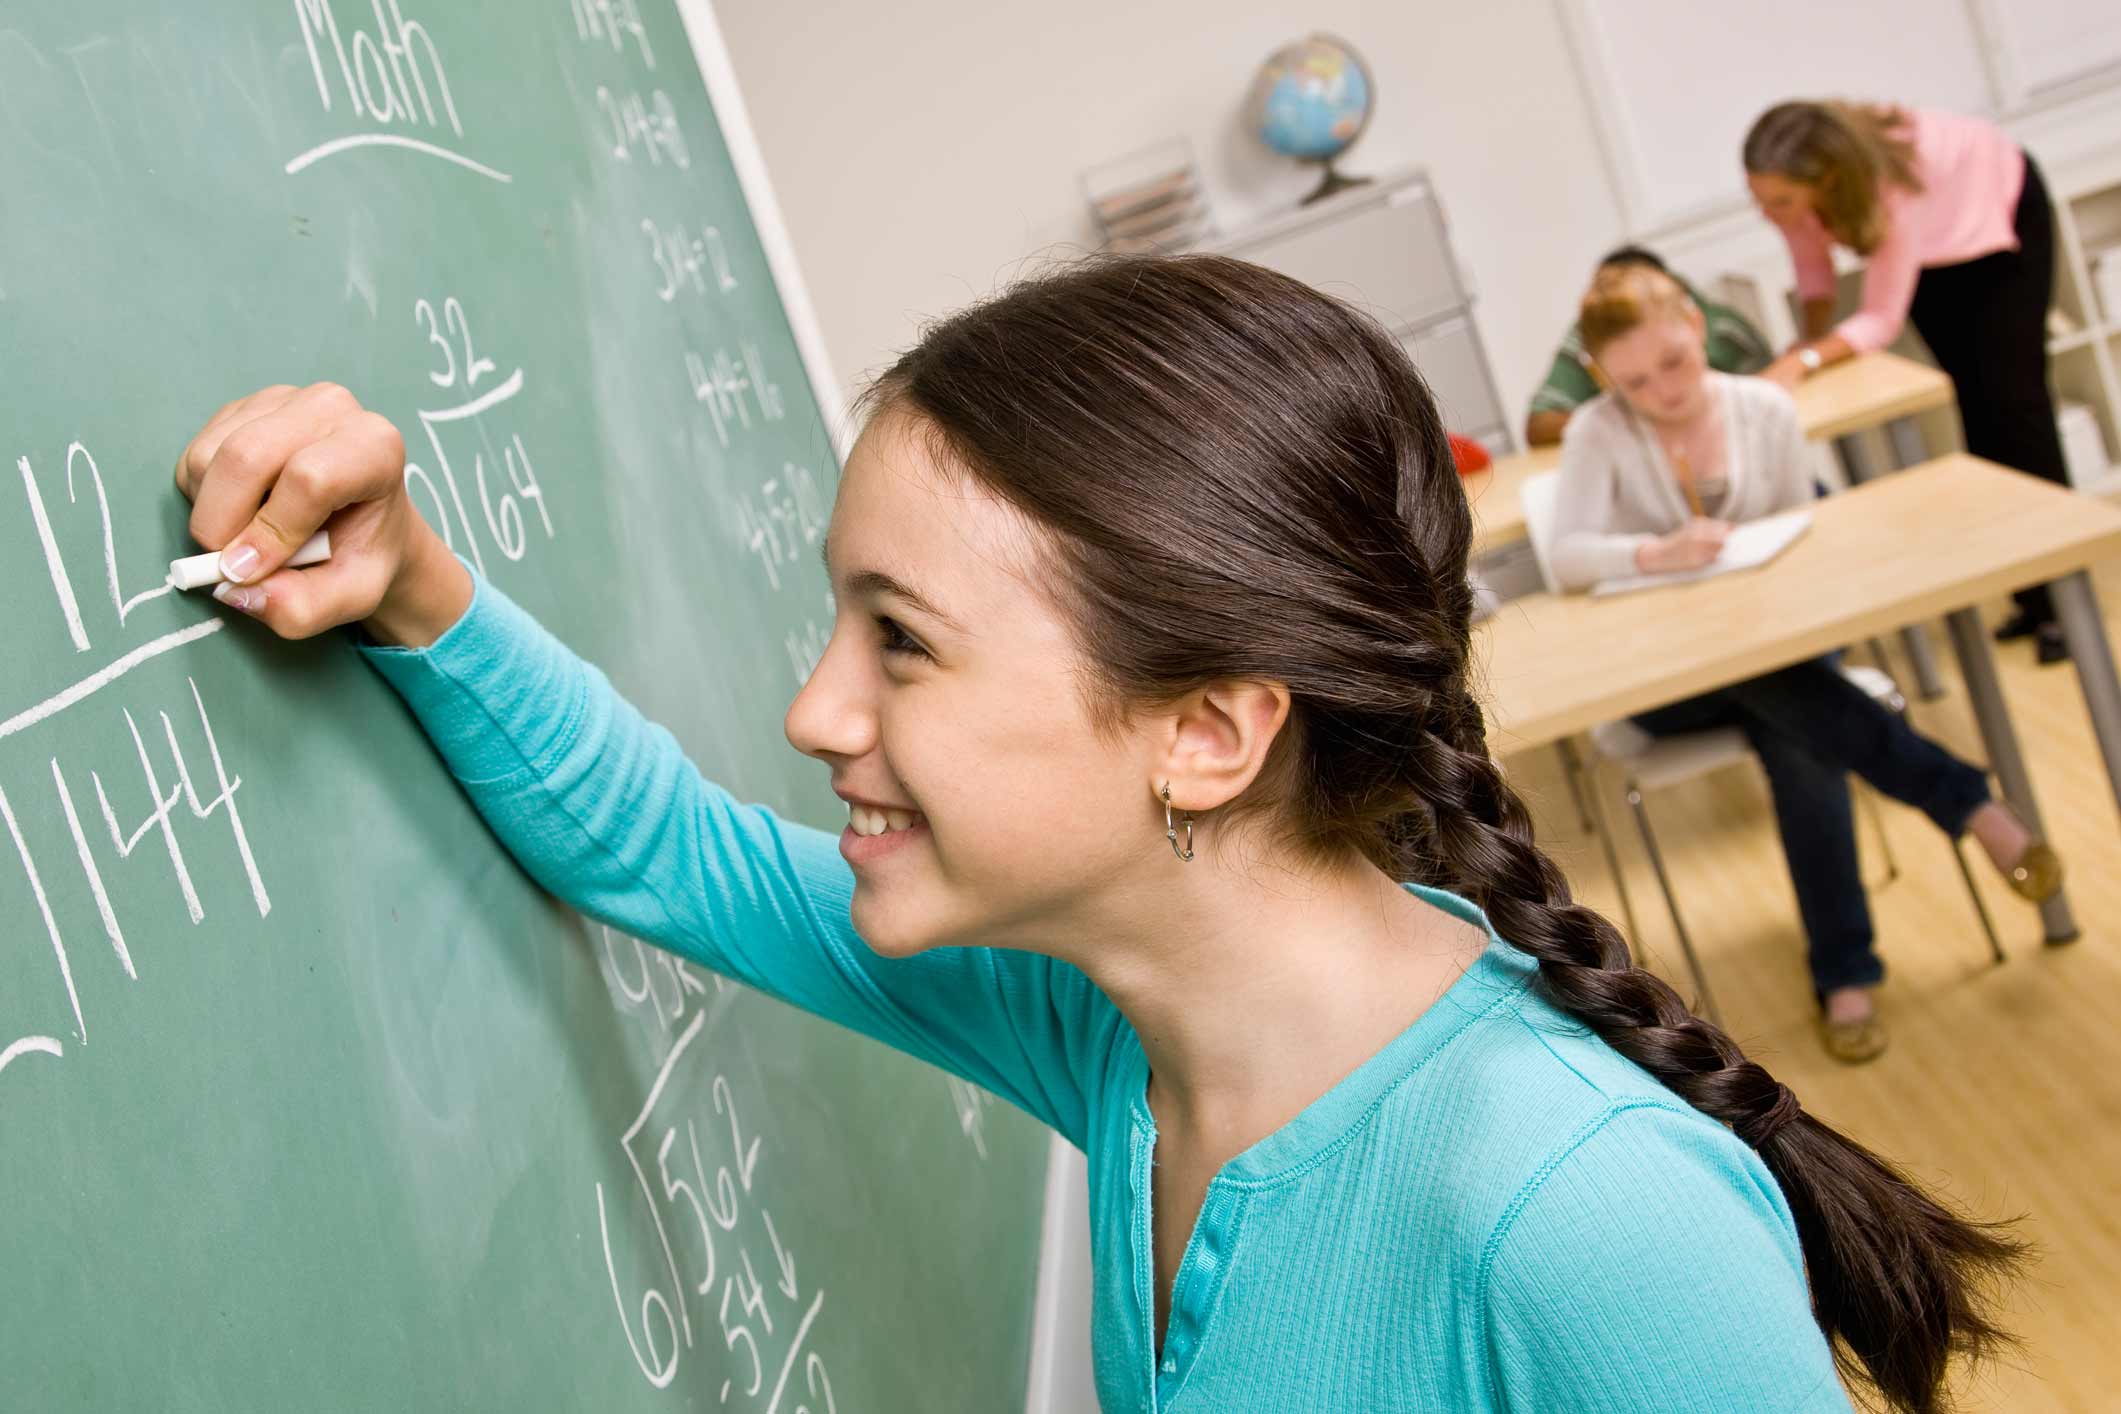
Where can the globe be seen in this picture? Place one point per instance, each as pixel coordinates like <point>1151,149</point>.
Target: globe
<point>1312,99</point>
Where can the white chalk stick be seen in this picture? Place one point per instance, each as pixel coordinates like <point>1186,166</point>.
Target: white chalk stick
<point>203,571</point>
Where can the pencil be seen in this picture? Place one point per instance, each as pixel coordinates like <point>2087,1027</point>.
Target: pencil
<point>1686,484</point>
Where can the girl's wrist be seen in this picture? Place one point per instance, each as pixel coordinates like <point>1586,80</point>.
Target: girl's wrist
<point>430,593</point>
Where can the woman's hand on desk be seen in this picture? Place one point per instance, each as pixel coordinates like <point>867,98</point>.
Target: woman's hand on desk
<point>1691,547</point>
<point>270,470</point>
<point>1802,360</point>
<point>1788,370</point>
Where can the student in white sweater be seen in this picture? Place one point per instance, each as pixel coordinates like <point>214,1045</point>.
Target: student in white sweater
<point>1654,474</point>
<point>1622,507</point>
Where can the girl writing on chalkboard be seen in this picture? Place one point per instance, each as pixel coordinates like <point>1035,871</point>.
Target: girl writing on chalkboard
<point>1654,474</point>
<point>1171,818</point>
<point>1953,219</point>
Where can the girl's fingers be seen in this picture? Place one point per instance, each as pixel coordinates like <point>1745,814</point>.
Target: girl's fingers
<point>363,460</point>
<point>244,456</point>
<point>277,466</point>
<point>301,603</point>
<point>198,454</point>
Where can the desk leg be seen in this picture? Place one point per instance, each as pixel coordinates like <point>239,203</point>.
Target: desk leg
<point>1904,438</point>
<point>2078,607</point>
<point>1905,435</point>
<point>1916,644</point>
<point>1855,460</point>
<point>1585,783</point>
<point>1902,441</point>
<point>1985,692</point>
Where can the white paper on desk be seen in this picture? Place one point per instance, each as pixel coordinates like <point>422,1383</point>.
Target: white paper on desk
<point>1748,547</point>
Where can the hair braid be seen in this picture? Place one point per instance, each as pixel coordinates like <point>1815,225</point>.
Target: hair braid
<point>1895,1276</point>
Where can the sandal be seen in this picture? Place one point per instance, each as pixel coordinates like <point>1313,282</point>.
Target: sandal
<point>1853,1042</point>
<point>2037,876</point>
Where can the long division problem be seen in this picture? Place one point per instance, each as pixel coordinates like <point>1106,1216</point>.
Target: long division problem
<point>753,1315</point>
<point>183,776</point>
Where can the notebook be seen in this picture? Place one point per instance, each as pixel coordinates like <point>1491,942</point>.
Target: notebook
<point>1750,546</point>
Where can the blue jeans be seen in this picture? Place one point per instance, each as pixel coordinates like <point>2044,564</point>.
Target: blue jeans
<point>1810,727</point>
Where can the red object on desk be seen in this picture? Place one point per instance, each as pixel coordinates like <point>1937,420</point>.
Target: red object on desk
<point>1469,454</point>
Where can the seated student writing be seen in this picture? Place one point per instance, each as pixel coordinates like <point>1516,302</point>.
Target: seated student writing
<point>1654,474</point>
<point>1734,346</point>
<point>1172,818</point>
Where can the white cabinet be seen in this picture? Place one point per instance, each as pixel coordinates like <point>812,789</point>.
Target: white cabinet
<point>1386,249</point>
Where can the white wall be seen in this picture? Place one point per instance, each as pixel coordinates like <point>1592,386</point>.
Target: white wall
<point>923,149</point>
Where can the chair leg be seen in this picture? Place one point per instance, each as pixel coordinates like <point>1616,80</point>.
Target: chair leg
<point>1572,770</point>
<point>1988,926</point>
<point>1606,842</point>
<point>1884,662</point>
<point>1869,801</point>
<point>1671,902</point>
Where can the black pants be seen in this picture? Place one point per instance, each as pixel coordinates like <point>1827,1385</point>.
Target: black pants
<point>1811,727</point>
<point>1986,322</point>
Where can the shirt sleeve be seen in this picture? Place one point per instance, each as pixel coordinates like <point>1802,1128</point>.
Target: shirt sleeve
<point>603,809</point>
<point>1585,549</point>
<point>1654,1265</point>
<point>1811,252</point>
<point>1569,385</point>
<point>1888,287</point>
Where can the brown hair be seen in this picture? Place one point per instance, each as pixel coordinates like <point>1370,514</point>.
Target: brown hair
<point>1624,297</point>
<point>1242,478</point>
<point>1846,152</point>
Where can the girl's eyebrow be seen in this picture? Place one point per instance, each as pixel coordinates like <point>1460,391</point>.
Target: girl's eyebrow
<point>867,582</point>
<point>863,583</point>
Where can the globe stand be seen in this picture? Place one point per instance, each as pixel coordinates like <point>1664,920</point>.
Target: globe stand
<point>1332,183</point>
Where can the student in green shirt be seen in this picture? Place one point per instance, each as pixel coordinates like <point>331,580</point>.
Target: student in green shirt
<point>1734,346</point>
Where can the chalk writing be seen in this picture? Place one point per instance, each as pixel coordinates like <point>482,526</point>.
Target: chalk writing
<point>613,21</point>
<point>391,77</point>
<point>160,817</point>
<point>732,387</point>
<point>503,478</point>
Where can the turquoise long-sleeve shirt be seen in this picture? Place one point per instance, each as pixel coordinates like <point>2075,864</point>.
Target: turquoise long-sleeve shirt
<point>1497,1211</point>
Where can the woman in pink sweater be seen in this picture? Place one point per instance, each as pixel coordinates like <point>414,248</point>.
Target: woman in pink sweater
<point>1954,220</point>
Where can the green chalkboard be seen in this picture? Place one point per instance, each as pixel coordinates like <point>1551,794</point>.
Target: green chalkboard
<point>310,1100</point>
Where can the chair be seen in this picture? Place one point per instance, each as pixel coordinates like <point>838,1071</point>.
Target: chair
<point>1651,763</point>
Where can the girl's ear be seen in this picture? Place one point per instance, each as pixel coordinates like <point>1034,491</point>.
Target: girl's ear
<point>1217,742</point>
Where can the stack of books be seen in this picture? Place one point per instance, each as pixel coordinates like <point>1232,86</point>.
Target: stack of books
<point>1151,200</point>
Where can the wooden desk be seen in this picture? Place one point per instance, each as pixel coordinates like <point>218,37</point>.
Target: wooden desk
<point>1861,392</point>
<point>1496,495</point>
<point>1867,391</point>
<point>1889,552</point>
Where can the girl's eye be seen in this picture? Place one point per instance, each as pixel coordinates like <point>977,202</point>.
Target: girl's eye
<point>896,639</point>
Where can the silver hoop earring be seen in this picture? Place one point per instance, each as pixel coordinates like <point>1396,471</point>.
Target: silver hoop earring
<point>1171,829</point>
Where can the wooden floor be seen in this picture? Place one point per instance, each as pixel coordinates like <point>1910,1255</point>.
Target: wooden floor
<point>2003,1084</point>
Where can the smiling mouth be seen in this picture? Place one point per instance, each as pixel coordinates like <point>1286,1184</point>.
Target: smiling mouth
<point>874,834</point>
<point>869,820</point>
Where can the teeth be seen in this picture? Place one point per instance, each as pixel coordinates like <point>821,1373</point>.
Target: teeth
<point>868,821</point>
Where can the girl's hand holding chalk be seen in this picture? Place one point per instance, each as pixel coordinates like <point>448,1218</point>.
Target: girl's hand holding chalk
<point>202,571</point>
<point>268,473</point>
